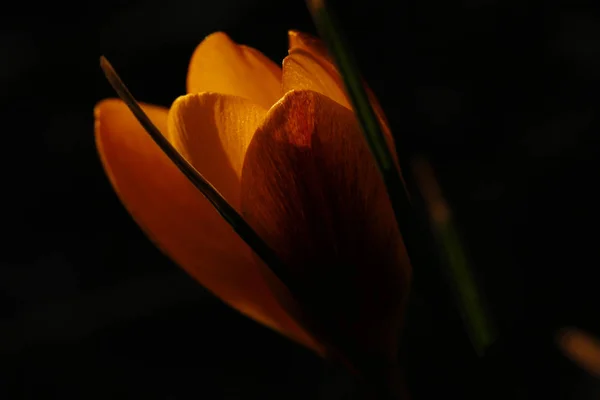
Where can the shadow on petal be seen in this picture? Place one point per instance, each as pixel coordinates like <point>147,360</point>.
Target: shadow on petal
<point>312,190</point>
<point>181,222</point>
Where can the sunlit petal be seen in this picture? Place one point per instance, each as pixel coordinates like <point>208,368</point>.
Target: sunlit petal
<point>212,131</point>
<point>310,187</point>
<point>309,67</point>
<point>222,66</point>
<point>303,71</point>
<point>304,41</point>
<point>180,221</point>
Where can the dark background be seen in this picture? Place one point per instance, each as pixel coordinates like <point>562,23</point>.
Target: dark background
<point>500,95</point>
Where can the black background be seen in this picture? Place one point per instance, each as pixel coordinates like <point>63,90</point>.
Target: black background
<point>502,96</point>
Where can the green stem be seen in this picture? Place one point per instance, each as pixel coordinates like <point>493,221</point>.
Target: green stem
<point>477,322</point>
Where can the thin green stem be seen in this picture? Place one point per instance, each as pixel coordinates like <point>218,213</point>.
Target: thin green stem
<point>331,33</point>
<point>229,214</point>
<point>474,316</point>
<point>471,302</point>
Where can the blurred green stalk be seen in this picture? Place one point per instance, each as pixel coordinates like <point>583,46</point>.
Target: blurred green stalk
<point>475,317</point>
<point>471,304</point>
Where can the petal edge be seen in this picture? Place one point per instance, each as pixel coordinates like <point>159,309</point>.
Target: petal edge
<point>222,66</point>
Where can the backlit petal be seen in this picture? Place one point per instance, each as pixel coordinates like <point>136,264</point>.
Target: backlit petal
<point>304,41</point>
<point>212,131</point>
<point>311,188</point>
<point>309,67</point>
<point>222,66</point>
<point>179,220</point>
<point>303,71</point>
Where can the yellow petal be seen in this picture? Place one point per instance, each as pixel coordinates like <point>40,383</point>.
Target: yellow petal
<point>222,66</point>
<point>179,220</point>
<point>212,131</point>
<point>312,190</point>
<point>309,67</point>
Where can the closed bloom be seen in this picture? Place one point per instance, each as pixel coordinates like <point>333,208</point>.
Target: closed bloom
<point>283,147</point>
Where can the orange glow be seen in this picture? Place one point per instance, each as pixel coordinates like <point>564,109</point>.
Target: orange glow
<point>285,150</point>
<point>582,348</point>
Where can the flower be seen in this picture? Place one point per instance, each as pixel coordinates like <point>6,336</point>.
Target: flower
<point>283,147</point>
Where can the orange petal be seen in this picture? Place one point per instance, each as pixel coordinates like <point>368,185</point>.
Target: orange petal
<point>180,220</point>
<point>212,131</point>
<point>222,66</point>
<point>302,71</point>
<point>309,67</point>
<point>309,43</point>
<point>312,190</point>
<point>582,348</point>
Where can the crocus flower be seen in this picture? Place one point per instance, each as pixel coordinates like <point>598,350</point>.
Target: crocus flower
<point>283,147</point>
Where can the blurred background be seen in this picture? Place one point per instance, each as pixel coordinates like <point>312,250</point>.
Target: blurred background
<point>500,96</point>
